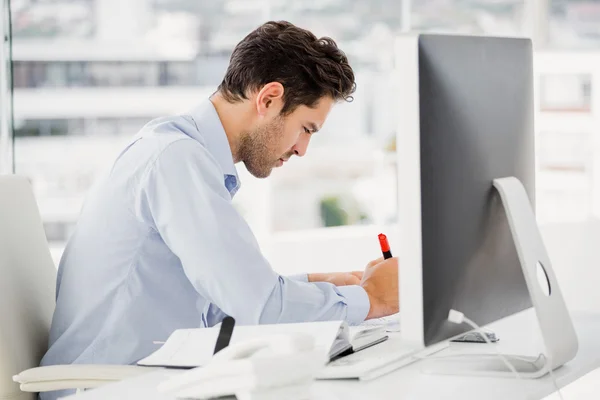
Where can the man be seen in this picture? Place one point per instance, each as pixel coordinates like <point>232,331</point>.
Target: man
<point>159,245</point>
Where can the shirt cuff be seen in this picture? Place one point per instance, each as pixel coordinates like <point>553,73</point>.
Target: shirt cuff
<point>299,277</point>
<point>357,302</point>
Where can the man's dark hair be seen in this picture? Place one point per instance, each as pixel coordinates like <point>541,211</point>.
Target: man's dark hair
<point>308,67</point>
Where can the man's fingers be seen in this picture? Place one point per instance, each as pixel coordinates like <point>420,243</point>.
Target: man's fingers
<point>358,274</point>
<point>352,279</point>
<point>375,262</point>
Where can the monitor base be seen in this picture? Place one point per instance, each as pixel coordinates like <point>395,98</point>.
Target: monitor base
<point>558,335</point>
<point>488,365</point>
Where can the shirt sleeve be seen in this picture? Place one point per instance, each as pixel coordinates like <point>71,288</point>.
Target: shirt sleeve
<point>182,195</point>
<point>299,277</point>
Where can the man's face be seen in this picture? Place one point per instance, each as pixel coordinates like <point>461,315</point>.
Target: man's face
<point>275,140</point>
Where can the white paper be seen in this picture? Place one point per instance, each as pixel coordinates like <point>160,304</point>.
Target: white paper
<point>194,347</point>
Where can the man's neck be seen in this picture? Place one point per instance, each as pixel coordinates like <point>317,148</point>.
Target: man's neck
<point>234,118</point>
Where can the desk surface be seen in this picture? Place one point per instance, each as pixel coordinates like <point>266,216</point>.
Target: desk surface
<point>518,334</point>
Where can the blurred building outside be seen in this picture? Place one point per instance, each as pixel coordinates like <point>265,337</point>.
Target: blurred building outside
<point>87,78</point>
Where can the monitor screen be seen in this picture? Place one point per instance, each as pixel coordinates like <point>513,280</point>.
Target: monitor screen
<point>476,125</point>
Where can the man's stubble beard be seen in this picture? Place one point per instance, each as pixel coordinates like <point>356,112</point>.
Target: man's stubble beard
<point>255,149</point>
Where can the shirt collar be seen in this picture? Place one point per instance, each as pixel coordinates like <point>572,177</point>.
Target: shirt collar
<point>214,137</point>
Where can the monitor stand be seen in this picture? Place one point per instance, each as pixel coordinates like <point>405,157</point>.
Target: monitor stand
<point>560,342</point>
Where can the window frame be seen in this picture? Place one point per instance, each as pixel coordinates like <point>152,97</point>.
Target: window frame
<point>6,136</point>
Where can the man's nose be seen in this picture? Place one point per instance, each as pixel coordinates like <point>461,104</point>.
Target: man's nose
<point>301,146</point>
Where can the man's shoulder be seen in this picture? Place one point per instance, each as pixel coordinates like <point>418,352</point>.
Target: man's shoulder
<point>162,132</point>
<point>161,138</point>
<point>165,137</point>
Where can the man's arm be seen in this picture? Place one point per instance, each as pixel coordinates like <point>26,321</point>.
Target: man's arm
<point>336,278</point>
<point>215,315</point>
<point>183,197</point>
<point>299,277</point>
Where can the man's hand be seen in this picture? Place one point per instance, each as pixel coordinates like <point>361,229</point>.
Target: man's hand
<point>338,278</point>
<point>380,281</point>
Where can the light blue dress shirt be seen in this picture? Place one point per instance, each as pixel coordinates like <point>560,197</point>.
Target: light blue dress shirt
<point>159,246</point>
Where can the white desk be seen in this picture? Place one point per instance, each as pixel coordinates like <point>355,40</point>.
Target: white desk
<point>518,335</point>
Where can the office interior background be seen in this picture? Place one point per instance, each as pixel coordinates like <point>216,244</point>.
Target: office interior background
<point>83,76</point>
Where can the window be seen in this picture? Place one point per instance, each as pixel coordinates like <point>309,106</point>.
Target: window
<point>80,126</point>
<point>56,74</point>
<point>471,17</point>
<point>178,73</point>
<point>21,74</point>
<point>574,24</point>
<point>127,126</point>
<point>565,93</point>
<point>37,74</point>
<point>34,74</point>
<point>103,126</point>
<point>77,74</point>
<point>123,74</point>
<point>49,127</point>
<point>565,151</point>
<point>63,147</point>
<point>565,176</point>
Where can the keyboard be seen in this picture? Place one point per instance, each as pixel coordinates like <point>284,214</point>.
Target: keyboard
<point>391,323</point>
<point>369,363</point>
<point>379,359</point>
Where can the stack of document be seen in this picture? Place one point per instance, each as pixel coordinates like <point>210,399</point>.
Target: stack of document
<point>190,348</point>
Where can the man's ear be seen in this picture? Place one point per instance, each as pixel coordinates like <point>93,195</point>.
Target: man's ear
<point>269,99</point>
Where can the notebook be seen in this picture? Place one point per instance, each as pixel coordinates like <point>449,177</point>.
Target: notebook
<point>190,348</point>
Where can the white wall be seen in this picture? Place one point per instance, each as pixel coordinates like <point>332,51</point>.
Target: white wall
<point>574,250</point>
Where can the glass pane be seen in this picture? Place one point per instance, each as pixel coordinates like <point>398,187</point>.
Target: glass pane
<point>86,80</point>
<point>565,87</point>
<point>574,24</point>
<point>500,18</point>
<point>348,177</point>
<point>566,92</point>
<point>564,151</point>
<point>173,50</point>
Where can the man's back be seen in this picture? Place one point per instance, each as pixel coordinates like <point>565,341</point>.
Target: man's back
<point>119,286</point>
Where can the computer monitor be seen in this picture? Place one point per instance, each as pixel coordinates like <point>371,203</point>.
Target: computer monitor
<point>466,120</point>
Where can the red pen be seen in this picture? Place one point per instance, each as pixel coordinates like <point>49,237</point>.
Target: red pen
<point>385,246</point>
